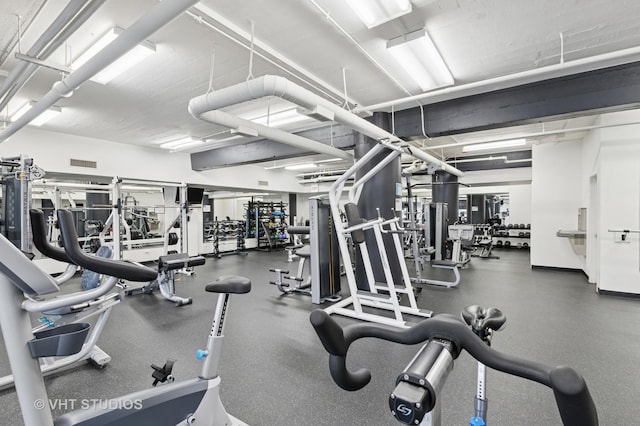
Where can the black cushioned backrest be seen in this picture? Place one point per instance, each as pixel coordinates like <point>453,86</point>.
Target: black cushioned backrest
<point>113,268</point>
<point>40,239</point>
<point>353,218</point>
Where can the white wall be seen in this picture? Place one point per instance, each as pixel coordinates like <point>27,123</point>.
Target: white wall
<point>556,196</point>
<point>619,196</point>
<point>519,204</point>
<point>52,152</point>
<point>590,170</point>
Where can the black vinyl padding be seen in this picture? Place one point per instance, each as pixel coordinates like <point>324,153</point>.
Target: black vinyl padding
<point>40,239</point>
<point>299,230</point>
<point>230,284</point>
<point>353,218</point>
<point>114,268</point>
<point>170,262</point>
<point>490,318</point>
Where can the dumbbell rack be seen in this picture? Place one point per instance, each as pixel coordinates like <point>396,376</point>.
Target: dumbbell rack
<point>517,236</point>
<point>227,231</point>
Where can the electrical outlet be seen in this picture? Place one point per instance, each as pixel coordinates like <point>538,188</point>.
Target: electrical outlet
<point>622,237</point>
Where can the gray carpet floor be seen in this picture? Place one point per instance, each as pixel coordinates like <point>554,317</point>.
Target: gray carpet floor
<point>274,370</point>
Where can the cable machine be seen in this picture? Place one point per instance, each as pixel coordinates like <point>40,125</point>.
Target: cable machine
<point>17,174</point>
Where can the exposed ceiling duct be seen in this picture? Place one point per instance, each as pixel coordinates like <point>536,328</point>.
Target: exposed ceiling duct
<point>163,13</point>
<point>207,107</point>
<point>251,129</point>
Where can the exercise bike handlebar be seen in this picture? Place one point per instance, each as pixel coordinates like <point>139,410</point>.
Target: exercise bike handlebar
<point>570,390</point>
<point>114,268</point>
<point>40,240</point>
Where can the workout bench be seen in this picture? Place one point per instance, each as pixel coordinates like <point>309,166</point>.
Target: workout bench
<point>168,266</point>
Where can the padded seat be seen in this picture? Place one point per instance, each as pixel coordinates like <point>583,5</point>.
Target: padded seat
<point>443,263</point>
<point>305,252</point>
<point>175,261</point>
<point>230,284</point>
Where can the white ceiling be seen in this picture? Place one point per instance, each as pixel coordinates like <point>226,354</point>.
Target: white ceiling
<point>479,39</point>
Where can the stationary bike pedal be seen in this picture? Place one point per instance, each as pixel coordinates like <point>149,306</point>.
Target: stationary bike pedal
<point>163,374</point>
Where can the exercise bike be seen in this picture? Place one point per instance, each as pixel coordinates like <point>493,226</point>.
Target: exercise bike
<point>193,401</point>
<point>415,399</point>
<point>49,317</point>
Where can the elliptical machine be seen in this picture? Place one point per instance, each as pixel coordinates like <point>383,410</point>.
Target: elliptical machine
<point>187,402</point>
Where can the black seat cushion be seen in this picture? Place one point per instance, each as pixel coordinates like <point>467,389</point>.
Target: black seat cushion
<point>230,284</point>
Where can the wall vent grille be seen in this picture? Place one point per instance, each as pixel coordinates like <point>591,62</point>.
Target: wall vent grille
<point>83,163</point>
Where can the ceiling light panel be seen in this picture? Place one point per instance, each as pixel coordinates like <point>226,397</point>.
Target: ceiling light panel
<point>376,12</point>
<point>182,143</point>
<point>494,145</point>
<point>306,166</point>
<point>120,65</point>
<point>279,119</point>
<point>420,58</point>
<point>40,119</point>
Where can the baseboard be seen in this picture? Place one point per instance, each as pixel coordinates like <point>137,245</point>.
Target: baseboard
<point>619,294</point>
<point>556,268</point>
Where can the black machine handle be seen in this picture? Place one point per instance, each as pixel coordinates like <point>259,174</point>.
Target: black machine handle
<point>572,395</point>
<point>40,240</point>
<point>114,268</point>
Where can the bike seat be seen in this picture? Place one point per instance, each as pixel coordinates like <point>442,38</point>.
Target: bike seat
<point>484,319</point>
<point>230,284</point>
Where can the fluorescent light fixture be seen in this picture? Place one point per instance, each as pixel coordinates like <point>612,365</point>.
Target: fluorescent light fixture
<point>376,12</point>
<point>306,166</point>
<point>473,160</point>
<point>286,166</point>
<point>421,60</point>
<point>493,145</point>
<point>120,65</point>
<point>39,120</point>
<point>279,119</point>
<point>182,143</point>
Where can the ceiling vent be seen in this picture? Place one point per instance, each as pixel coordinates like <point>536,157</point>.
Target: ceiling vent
<point>263,183</point>
<point>83,163</point>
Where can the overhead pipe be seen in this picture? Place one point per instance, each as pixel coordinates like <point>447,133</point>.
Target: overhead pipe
<point>576,66</point>
<point>76,12</point>
<point>270,85</point>
<point>160,15</point>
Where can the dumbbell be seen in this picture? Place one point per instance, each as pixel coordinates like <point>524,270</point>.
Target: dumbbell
<point>507,243</point>
<point>527,234</point>
<point>519,245</point>
<point>525,245</point>
<point>520,234</point>
<point>499,243</point>
<point>528,226</point>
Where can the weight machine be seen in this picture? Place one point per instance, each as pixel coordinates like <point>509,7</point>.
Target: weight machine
<point>323,282</point>
<point>434,230</point>
<point>117,231</point>
<point>17,174</point>
<point>385,295</point>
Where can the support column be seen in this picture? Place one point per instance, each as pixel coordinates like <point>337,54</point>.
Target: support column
<point>378,193</point>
